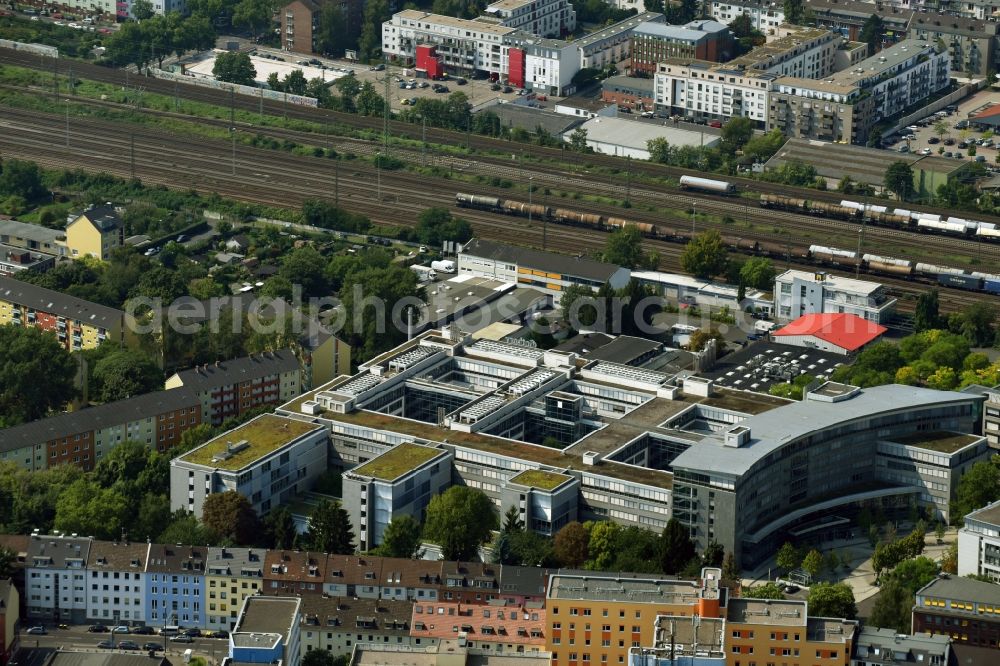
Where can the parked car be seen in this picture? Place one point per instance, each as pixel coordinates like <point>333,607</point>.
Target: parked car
<point>508,89</point>
<point>193,632</point>
<point>961,124</point>
<point>182,638</point>
<point>106,645</point>
<point>925,151</point>
<point>120,629</point>
<point>791,589</point>
<point>948,153</point>
<point>128,645</point>
<point>98,629</point>
<point>949,142</point>
<point>962,145</point>
<point>933,140</point>
<point>181,238</point>
<point>715,123</point>
<point>143,631</point>
<point>152,647</point>
<point>37,630</point>
<point>221,633</point>
<point>460,81</point>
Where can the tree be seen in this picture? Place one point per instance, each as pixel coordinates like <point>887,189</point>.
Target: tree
<point>976,323</point>
<point>185,528</point>
<point>871,33</point>
<point>979,486</point>
<point>230,515</point>
<point>914,573</point>
<point>788,557</point>
<point>254,15</point>
<point>942,128</point>
<point>730,570</point>
<point>36,374</point>
<point>86,508</point>
<point>330,529</point>
<point>892,607</point>
<point>677,549</point>
<point>949,560</point>
<point>705,255</point>
<point>8,558</point>
<point>436,225</point>
<point>332,35</point>
<point>736,133</point>
<point>624,248</point>
<point>603,544</point>
<point>142,10</point>
<point>401,539</point>
<point>295,82</point>
<point>794,11</point>
<point>813,563</point>
<point>280,528</point>
<point>764,591</point>
<point>318,657</point>
<point>713,555</point>
<point>125,373</point>
<point>832,600</point>
<point>926,315</point>
<point>578,141</point>
<point>22,179</point>
<point>234,67</point>
<point>369,102</point>
<point>305,266</point>
<point>459,520</point>
<point>370,41</point>
<point>512,520</point>
<point>193,437</point>
<point>899,179</point>
<point>570,545</point>
<point>758,272</point>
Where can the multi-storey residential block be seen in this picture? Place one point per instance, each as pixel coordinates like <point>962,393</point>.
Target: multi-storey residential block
<point>267,632</point>
<point>399,482</point>
<point>55,577</point>
<point>971,43</point>
<point>94,232</point>
<point>78,324</point>
<point>356,576</point>
<point>116,589</point>
<point>288,572</point>
<point>234,387</point>
<point>33,237</point>
<point>14,260</point>
<point>10,620</point>
<point>652,43</point>
<point>765,15</point>
<point>846,106</point>
<point>523,585</point>
<point>991,417</point>
<point>83,437</point>
<point>548,271</point>
<point>967,610</point>
<point>267,460</point>
<point>783,630</point>
<point>800,293</point>
<point>469,582</point>
<point>175,585</point>
<point>547,18</point>
<point>231,575</point>
<point>876,646</point>
<point>299,24</point>
<point>979,543</point>
<point>342,624</point>
<point>413,580</point>
<point>503,628</point>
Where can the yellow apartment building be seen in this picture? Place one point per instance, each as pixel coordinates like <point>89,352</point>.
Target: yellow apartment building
<point>94,232</point>
<point>231,575</point>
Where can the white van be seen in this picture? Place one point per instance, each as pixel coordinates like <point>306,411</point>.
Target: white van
<point>170,630</point>
<point>762,326</point>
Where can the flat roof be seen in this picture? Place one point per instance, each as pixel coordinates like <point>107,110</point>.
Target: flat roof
<point>961,589</point>
<point>834,282</point>
<point>104,659</point>
<point>451,21</point>
<point>633,82</point>
<point>268,615</point>
<point>596,586</point>
<point>988,514</point>
<point>883,61</point>
<point>529,118</point>
<point>940,441</point>
<point>764,53</point>
<point>617,28</point>
<point>35,232</point>
<point>397,461</point>
<point>541,479</point>
<point>799,419</point>
<point>636,134</point>
<point>8,252</point>
<point>775,612</point>
<point>541,260</point>
<point>264,435</point>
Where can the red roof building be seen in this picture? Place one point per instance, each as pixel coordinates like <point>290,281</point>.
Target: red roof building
<point>840,333</point>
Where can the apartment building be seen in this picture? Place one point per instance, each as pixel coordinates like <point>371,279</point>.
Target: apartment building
<point>267,460</point>
<point>800,293</point>
<point>175,585</point>
<point>652,43</point>
<point>469,583</point>
<point>94,232</point>
<point>291,573</point>
<point>971,43</point>
<point>231,575</point>
<point>545,18</point>
<point>299,24</point>
<point>10,621</point>
<point>875,646</point>
<point>232,388</point>
<point>547,271</point>
<point>765,15</point>
<point>501,627</point>
<point>268,632</point>
<point>55,578</point>
<point>991,416</point>
<point>341,625</point>
<point>359,576</point>
<point>967,610</point>
<point>846,106</point>
<point>400,482</point>
<point>115,582</point>
<point>83,437</point>
<point>33,237</point>
<point>979,543</point>
<point>76,323</point>
<point>410,580</point>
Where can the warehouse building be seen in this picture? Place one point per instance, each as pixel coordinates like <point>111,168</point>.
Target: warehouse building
<point>841,333</point>
<point>629,138</point>
<point>638,446</point>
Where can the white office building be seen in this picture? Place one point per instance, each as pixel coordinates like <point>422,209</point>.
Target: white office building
<point>798,293</point>
<point>55,577</point>
<point>979,543</point>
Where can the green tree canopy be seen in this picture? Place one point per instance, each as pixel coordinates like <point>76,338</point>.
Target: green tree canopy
<point>330,529</point>
<point>305,266</point>
<point>764,591</point>
<point>401,539</point>
<point>677,549</point>
<point>570,545</point>
<point>979,486</point>
<point>893,606</point>
<point>899,180</point>
<point>125,373</point>
<point>230,515</point>
<point>705,255</point>
<point>788,557</point>
<point>794,11</point>
<point>832,600</point>
<point>86,508</point>
<point>36,374</point>
<point>926,315</point>
<point>436,225</point>
<point>871,32</point>
<point>185,528</point>
<point>459,520</point>
<point>234,67</point>
<point>624,248</point>
<point>915,572</point>
<point>758,272</point>
<point>736,133</point>
<point>279,528</point>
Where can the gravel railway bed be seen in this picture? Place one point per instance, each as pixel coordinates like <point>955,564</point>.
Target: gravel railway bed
<point>280,179</point>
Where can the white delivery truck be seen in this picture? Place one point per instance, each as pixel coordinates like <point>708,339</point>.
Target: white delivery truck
<point>761,326</point>
<point>443,266</point>
<point>424,274</point>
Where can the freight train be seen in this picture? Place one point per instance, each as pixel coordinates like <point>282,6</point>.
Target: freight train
<point>883,216</point>
<point>815,254</point>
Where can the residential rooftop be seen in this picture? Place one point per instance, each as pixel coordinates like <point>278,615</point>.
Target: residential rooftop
<point>224,373</point>
<point>775,612</point>
<point>268,615</point>
<point>38,298</point>
<point>262,436</point>
<point>940,441</point>
<point>541,479</point>
<point>451,21</point>
<point>617,587</point>
<point>961,589</point>
<point>397,461</point>
<point>617,28</point>
<point>883,61</point>
<point>989,514</point>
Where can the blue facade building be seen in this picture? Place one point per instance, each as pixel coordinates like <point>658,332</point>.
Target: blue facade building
<point>175,586</point>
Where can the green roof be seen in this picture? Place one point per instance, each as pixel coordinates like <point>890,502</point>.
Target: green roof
<point>537,478</point>
<point>263,435</point>
<point>940,441</point>
<point>397,461</point>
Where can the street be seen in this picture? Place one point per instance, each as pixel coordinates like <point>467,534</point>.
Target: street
<point>79,639</point>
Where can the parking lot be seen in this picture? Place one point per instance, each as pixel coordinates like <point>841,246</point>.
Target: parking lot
<point>763,364</point>
<point>929,141</point>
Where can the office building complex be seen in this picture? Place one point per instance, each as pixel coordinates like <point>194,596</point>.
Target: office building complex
<point>966,610</point>
<point>653,43</point>
<point>638,446</point>
<point>267,460</point>
<point>798,293</point>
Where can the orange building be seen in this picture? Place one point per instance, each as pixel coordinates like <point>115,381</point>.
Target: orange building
<point>762,631</point>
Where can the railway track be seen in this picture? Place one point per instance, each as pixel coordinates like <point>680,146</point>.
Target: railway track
<point>279,179</point>
<point>397,128</point>
<point>767,225</point>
